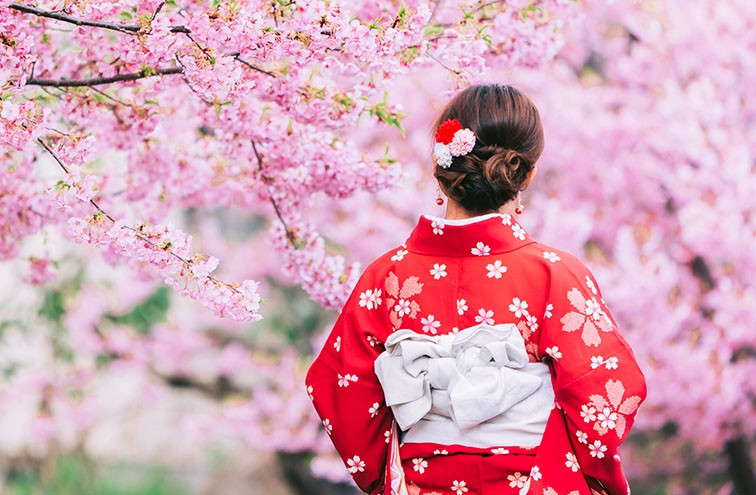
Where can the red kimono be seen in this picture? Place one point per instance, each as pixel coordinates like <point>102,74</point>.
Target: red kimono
<point>489,271</point>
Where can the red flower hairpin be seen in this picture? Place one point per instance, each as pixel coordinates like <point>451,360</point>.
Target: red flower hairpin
<point>452,140</point>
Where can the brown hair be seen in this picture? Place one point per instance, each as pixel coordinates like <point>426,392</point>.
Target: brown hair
<point>509,141</point>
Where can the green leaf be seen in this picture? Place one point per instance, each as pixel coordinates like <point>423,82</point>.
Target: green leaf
<point>144,315</point>
<point>432,29</point>
<point>52,306</point>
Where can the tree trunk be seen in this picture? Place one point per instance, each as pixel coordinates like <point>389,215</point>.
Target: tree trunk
<point>295,468</point>
<point>741,467</point>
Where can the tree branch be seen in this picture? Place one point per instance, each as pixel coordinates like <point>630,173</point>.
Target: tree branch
<point>253,67</point>
<point>289,234</point>
<point>123,28</point>
<point>454,71</point>
<point>132,76</point>
<point>136,232</point>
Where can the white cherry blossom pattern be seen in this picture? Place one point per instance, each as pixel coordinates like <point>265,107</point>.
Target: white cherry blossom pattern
<point>554,352</point>
<point>440,452</point>
<point>370,299</point>
<point>506,219</point>
<point>461,306</point>
<point>399,255</point>
<point>607,418</point>
<point>610,363</point>
<point>532,322</point>
<point>547,313</point>
<point>588,413</point>
<point>481,249</point>
<point>387,435</point>
<point>597,449</point>
<point>455,330</point>
<point>588,317</point>
<point>496,269</point>
<point>373,341</point>
<point>551,256</point>
<point>374,409</point>
<point>430,324</point>
<point>519,308</point>
<point>438,227</point>
<point>582,437</point>
<point>459,487</point>
<point>499,451</point>
<point>518,232</point>
<point>593,309</point>
<point>438,271</point>
<point>337,344</point>
<point>572,462</point>
<point>517,480</point>
<point>309,392</point>
<point>419,465</point>
<point>345,380</point>
<point>356,465</point>
<point>613,408</point>
<point>591,285</point>
<point>328,426</point>
<point>402,307</point>
<point>535,473</point>
<point>485,316</point>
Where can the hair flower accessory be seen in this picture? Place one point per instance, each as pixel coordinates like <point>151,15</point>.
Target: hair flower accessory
<point>452,140</point>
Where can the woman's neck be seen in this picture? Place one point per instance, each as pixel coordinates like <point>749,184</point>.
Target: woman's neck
<point>455,211</point>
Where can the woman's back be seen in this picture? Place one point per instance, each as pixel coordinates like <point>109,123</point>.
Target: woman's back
<point>490,357</point>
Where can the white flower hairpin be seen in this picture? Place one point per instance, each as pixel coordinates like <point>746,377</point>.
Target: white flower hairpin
<point>452,140</point>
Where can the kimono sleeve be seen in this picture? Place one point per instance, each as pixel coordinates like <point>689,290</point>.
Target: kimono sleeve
<point>597,381</point>
<point>345,390</point>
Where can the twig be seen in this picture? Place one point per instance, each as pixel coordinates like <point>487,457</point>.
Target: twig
<point>454,71</point>
<point>487,4</point>
<point>289,234</point>
<point>103,93</point>
<point>253,67</point>
<point>189,84</point>
<point>202,48</point>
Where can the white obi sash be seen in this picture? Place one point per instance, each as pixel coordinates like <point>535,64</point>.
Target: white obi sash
<point>474,388</point>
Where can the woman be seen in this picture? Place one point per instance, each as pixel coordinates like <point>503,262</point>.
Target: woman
<point>474,359</point>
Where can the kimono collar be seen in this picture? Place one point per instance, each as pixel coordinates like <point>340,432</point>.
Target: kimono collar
<point>477,236</point>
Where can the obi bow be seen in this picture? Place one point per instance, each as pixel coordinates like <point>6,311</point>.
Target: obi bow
<point>470,377</point>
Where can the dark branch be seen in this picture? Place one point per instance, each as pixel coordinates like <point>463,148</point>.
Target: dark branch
<point>289,234</point>
<point>132,76</point>
<point>436,59</point>
<point>253,67</point>
<point>123,28</point>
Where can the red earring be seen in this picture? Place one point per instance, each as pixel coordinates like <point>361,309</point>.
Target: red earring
<point>439,199</point>
<point>518,208</point>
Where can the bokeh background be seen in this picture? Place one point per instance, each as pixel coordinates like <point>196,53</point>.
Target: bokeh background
<point>112,383</point>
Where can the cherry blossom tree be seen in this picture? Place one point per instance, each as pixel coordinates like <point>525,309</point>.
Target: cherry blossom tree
<point>278,136</point>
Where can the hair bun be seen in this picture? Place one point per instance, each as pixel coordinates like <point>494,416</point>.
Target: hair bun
<point>509,141</point>
<point>503,163</point>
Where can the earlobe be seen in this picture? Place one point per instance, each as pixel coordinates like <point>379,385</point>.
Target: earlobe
<point>529,178</point>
